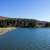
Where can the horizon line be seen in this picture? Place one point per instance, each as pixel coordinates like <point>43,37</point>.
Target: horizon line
<point>24,18</point>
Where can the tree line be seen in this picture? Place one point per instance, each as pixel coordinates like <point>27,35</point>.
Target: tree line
<point>16,23</point>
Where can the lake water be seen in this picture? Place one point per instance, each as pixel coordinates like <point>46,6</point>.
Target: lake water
<point>26,39</point>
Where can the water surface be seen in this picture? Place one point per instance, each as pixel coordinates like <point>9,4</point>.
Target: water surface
<point>26,39</point>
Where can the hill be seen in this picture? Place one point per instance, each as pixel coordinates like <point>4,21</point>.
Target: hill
<point>20,22</point>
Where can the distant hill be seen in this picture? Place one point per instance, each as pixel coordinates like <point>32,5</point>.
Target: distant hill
<point>38,21</point>
<point>23,22</point>
<point>2,17</point>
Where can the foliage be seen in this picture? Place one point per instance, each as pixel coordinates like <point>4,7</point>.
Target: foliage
<point>11,22</point>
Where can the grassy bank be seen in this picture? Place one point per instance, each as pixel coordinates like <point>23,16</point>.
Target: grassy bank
<point>6,27</point>
<point>4,30</point>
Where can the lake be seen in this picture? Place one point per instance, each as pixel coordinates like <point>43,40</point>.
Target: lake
<point>26,39</point>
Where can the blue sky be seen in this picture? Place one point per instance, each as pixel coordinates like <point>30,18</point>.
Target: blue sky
<point>34,9</point>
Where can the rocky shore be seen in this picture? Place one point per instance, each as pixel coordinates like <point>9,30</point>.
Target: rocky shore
<point>5,30</point>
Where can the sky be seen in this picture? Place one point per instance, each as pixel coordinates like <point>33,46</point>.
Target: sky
<point>32,9</point>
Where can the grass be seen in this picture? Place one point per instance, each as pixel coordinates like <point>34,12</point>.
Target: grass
<point>6,27</point>
<point>3,30</point>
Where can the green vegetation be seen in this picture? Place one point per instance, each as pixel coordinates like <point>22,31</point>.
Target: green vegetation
<point>47,25</point>
<point>13,22</point>
<point>7,23</point>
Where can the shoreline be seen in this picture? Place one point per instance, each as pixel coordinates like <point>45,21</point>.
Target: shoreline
<point>5,30</point>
